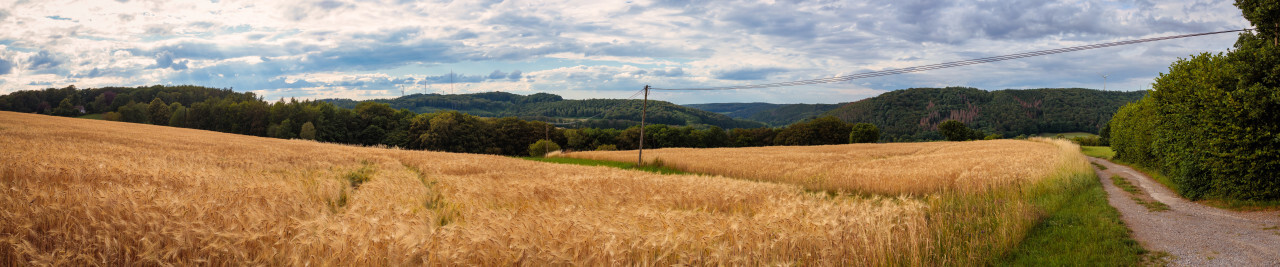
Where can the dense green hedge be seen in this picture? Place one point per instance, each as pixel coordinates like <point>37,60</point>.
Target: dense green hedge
<point>1212,123</point>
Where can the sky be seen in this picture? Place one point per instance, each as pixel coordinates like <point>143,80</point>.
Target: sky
<point>310,49</point>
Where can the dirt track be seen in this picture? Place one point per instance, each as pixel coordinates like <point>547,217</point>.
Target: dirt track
<point>1193,234</point>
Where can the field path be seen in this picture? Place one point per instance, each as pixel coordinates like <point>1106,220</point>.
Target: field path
<point>1193,234</point>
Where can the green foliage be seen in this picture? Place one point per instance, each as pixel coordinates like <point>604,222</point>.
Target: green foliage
<point>112,116</point>
<point>1210,124</point>
<point>158,112</point>
<point>1265,17</point>
<point>456,132</point>
<point>954,130</point>
<point>914,114</point>
<point>864,133</point>
<point>542,147</point>
<point>308,131</point>
<point>821,131</point>
<point>752,137</point>
<point>603,113</point>
<point>65,108</point>
<point>1098,152</point>
<point>615,164</point>
<point>1087,140</point>
<point>179,117</point>
<point>607,148</point>
<point>1132,133</point>
<point>361,175</point>
<point>135,113</point>
<point>1084,230</point>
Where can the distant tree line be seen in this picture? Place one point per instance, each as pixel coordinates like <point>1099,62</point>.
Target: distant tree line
<point>596,113</point>
<point>374,123</point>
<point>1212,123</point>
<point>916,114</point>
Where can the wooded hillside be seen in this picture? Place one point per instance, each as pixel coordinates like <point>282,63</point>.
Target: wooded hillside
<point>914,114</point>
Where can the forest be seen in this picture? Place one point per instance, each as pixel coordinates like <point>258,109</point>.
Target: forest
<point>914,114</point>
<point>508,123</point>
<point>601,113</point>
<point>375,123</point>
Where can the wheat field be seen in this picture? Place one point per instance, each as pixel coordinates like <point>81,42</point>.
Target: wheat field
<point>84,192</point>
<point>87,192</point>
<point>897,168</point>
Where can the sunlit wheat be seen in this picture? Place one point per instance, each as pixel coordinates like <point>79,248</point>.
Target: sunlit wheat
<point>84,192</point>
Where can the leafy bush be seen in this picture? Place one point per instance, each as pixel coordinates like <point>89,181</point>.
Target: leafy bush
<point>308,131</point>
<point>1211,122</point>
<point>112,116</point>
<point>864,133</point>
<point>821,131</point>
<point>542,147</point>
<point>954,130</point>
<point>1132,133</point>
<point>1087,140</point>
<point>606,148</point>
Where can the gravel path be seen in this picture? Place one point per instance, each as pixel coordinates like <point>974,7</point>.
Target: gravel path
<point>1193,234</point>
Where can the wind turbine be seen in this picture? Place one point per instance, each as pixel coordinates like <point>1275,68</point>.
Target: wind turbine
<point>1104,80</point>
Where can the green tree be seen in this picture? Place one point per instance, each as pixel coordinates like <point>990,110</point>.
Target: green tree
<point>179,117</point>
<point>542,147</point>
<point>308,131</point>
<point>1210,122</point>
<point>135,113</point>
<point>456,132</point>
<point>158,112</point>
<point>864,133</point>
<point>954,130</point>
<point>821,131</point>
<point>65,108</point>
<point>372,135</point>
<point>1265,17</point>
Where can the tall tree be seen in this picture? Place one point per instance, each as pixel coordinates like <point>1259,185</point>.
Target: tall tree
<point>955,130</point>
<point>159,111</point>
<point>864,133</point>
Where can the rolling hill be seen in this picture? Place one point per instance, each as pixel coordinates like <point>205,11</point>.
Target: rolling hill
<point>776,115</point>
<point>604,113</point>
<point>914,114</point>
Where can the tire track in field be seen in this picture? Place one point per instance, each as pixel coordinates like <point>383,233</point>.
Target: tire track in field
<point>1193,234</point>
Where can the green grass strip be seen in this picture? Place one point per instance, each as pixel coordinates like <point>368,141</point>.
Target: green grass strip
<point>1103,152</point>
<point>615,164</point>
<point>1084,230</point>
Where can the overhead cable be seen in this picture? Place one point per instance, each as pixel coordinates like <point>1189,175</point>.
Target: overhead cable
<point>944,65</point>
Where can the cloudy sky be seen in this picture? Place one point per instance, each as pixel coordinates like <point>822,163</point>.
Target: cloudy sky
<point>594,48</point>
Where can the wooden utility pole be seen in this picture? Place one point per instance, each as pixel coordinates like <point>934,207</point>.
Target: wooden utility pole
<point>643,110</point>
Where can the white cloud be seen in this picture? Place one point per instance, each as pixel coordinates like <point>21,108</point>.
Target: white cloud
<point>584,49</point>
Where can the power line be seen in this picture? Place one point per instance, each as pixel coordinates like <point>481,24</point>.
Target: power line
<point>946,65</point>
<point>638,92</point>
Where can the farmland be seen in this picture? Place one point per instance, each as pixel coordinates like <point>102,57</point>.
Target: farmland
<point>903,168</point>
<point>100,192</point>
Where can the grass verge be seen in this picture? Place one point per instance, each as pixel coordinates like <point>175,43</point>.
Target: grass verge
<point>1134,194</point>
<point>1067,135</point>
<point>1098,152</point>
<point>621,165</point>
<point>1084,229</point>
<point>1228,204</point>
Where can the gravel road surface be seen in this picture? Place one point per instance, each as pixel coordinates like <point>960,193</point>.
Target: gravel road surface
<point>1193,234</point>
